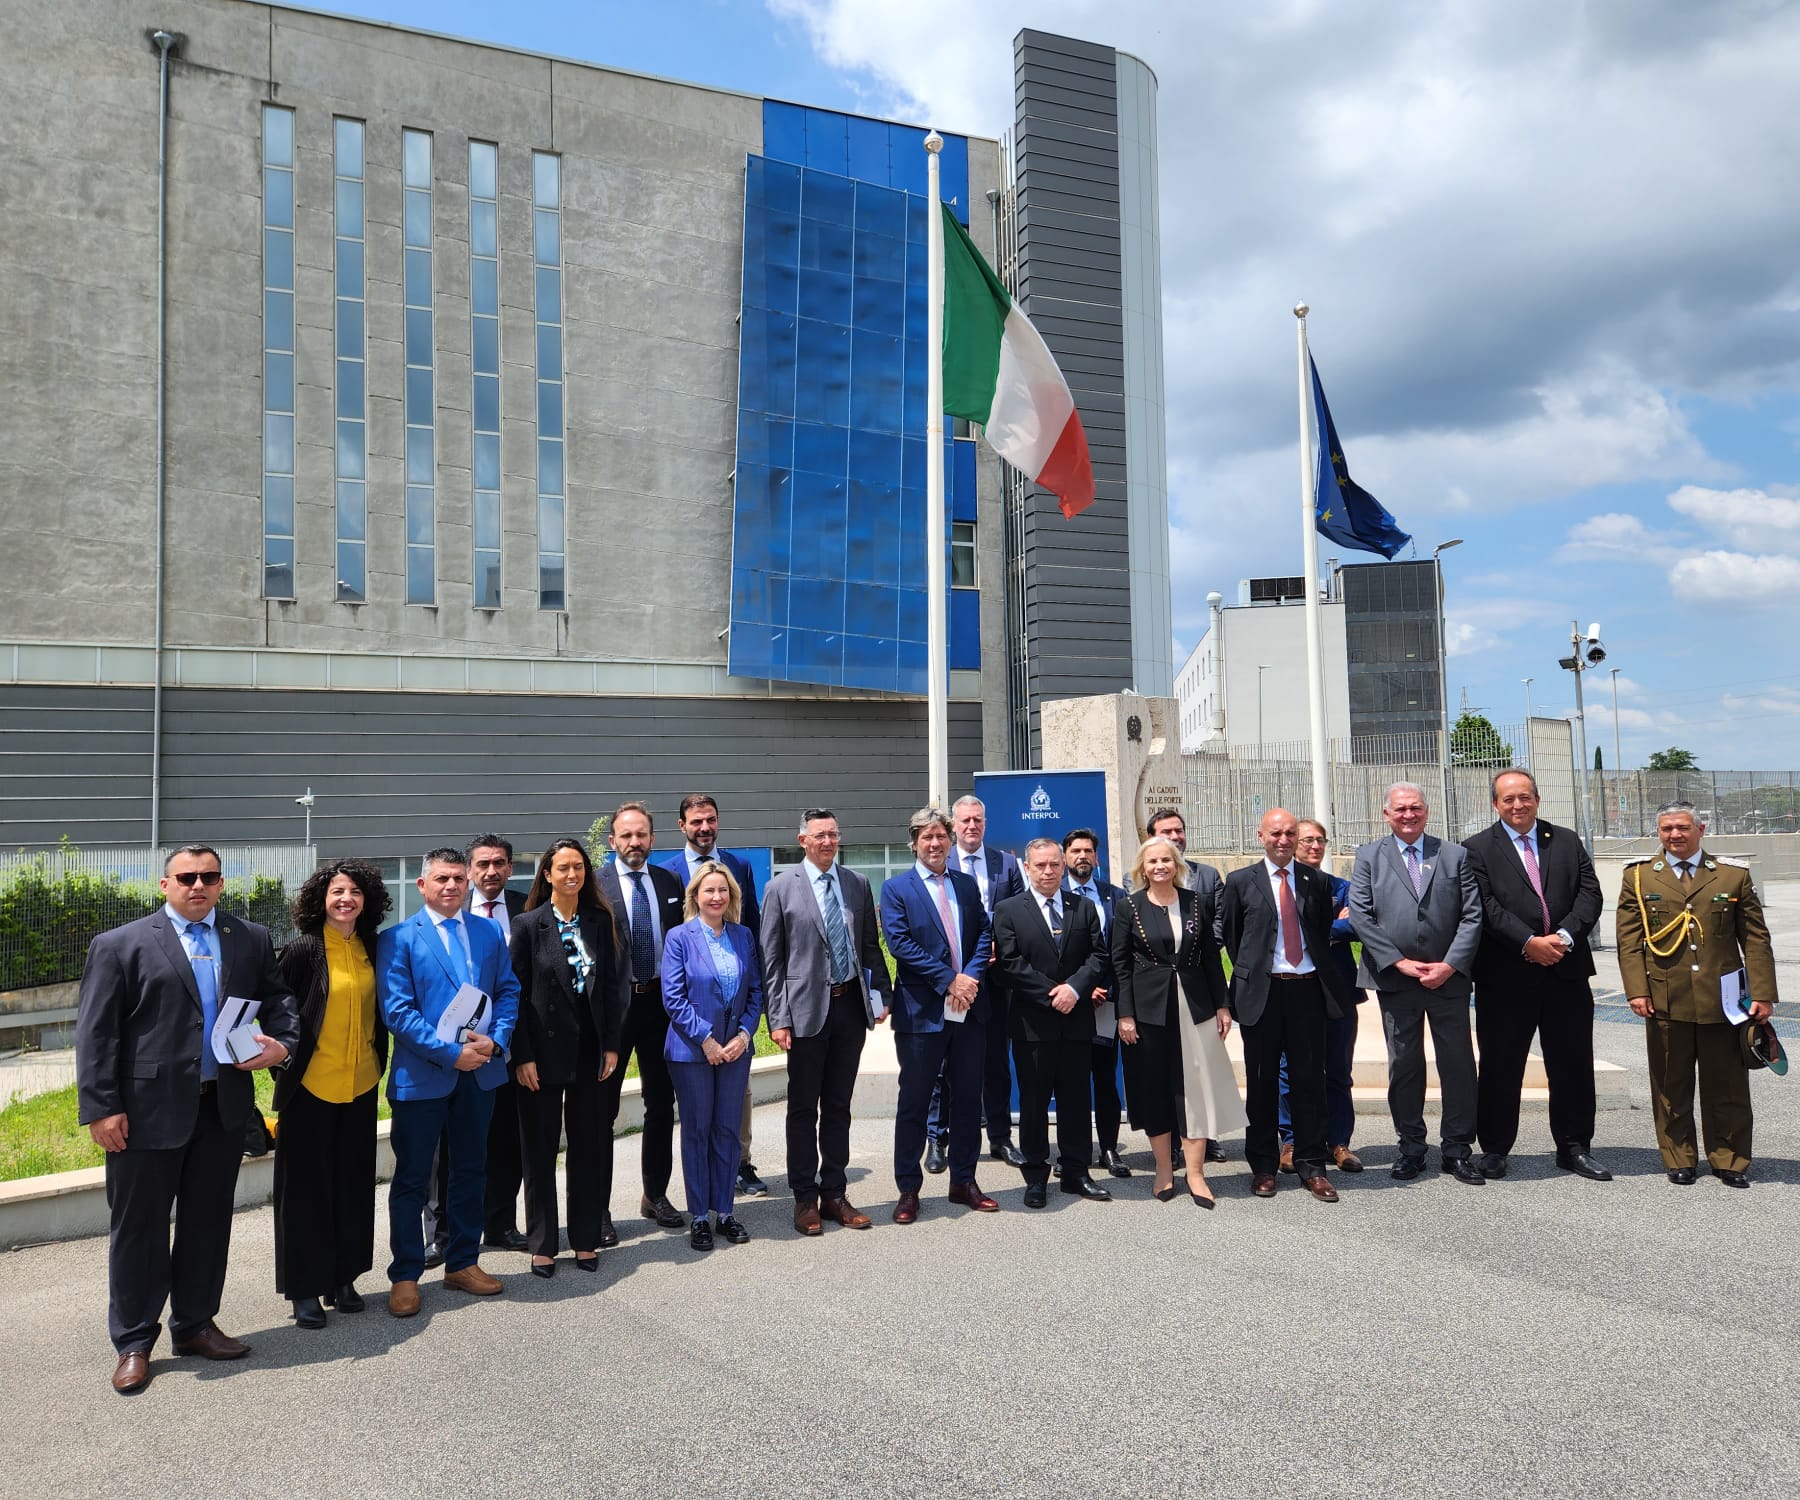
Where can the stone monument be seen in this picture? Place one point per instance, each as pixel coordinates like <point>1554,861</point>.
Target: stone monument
<point>1136,741</point>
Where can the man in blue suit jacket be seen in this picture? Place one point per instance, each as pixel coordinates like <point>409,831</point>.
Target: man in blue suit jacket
<point>442,1087</point>
<point>1081,850</point>
<point>937,931</point>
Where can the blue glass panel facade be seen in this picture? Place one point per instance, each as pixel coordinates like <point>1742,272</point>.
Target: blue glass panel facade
<point>828,574</point>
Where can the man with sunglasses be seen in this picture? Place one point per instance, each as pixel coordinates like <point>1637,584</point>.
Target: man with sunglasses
<point>169,1115</point>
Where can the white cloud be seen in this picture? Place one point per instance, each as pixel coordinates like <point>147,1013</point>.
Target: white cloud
<point>1773,700</point>
<point>1736,578</point>
<point>1748,518</point>
<point>1614,537</point>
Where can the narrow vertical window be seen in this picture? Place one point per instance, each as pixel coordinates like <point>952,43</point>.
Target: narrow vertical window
<point>546,235</point>
<point>421,401</point>
<point>484,365</point>
<point>352,397</point>
<point>278,352</point>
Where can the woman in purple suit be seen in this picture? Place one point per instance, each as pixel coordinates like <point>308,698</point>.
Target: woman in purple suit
<point>712,990</point>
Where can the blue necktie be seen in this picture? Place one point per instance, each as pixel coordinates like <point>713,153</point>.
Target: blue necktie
<point>643,940</point>
<point>836,933</point>
<point>1094,896</point>
<point>206,976</point>
<point>459,961</point>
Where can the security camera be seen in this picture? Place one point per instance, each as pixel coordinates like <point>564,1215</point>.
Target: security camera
<point>1594,631</point>
<point>306,801</point>
<point>1596,653</point>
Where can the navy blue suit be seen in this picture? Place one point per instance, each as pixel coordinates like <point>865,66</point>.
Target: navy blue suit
<point>924,1041</point>
<point>677,865</point>
<point>1340,1035</point>
<point>1004,880</point>
<point>1108,1107</point>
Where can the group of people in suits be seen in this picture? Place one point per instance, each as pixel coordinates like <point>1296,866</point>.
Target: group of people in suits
<point>543,999</point>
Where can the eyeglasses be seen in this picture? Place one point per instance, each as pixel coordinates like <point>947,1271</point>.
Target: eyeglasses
<point>1310,840</point>
<point>207,878</point>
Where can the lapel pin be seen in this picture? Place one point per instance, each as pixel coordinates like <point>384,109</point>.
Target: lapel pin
<point>1657,866</point>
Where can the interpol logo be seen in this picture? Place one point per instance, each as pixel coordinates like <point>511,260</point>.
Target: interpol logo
<point>1040,805</point>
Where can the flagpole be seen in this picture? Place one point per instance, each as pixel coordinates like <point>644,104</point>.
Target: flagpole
<point>937,633</point>
<point>1309,541</point>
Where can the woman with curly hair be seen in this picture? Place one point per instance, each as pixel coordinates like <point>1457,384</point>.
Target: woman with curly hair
<point>325,1146</point>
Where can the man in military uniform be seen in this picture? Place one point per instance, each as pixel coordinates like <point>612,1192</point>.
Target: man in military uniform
<point>1686,920</point>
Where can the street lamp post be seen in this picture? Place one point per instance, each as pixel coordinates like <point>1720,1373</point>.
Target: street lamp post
<point>1437,564</point>
<point>1618,764</point>
<point>1585,653</point>
<point>1528,682</point>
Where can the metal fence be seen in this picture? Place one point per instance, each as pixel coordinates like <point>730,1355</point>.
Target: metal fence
<point>54,902</point>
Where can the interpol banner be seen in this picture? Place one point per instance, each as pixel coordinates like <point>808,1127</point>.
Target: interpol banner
<point>1027,805</point>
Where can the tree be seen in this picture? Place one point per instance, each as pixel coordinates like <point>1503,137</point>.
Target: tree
<point>1673,759</point>
<point>1599,764</point>
<point>1475,742</point>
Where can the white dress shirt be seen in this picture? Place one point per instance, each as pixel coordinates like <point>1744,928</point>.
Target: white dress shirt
<point>1275,878</point>
<point>975,866</point>
<point>626,880</point>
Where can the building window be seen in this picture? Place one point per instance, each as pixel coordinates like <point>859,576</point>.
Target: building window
<point>546,233</point>
<point>962,554</point>
<point>351,369</point>
<point>278,352</point>
<point>484,314</point>
<point>421,401</point>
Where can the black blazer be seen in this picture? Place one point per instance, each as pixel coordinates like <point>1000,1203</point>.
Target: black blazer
<point>550,1009</point>
<point>304,968</point>
<point>1251,927</point>
<point>138,1032</point>
<point>666,891</point>
<point>1146,964</point>
<point>1510,911</point>
<point>1034,963</point>
<point>513,901</point>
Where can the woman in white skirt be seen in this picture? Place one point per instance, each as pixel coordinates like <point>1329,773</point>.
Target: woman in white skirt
<point>1173,1019</point>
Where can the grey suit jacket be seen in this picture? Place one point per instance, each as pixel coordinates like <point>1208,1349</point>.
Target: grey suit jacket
<point>796,955</point>
<point>1439,924</point>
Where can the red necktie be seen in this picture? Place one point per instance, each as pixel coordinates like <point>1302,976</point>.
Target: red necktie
<point>1290,922</point>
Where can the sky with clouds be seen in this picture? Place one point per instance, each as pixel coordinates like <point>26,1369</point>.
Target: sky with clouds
<point>1553,256</point>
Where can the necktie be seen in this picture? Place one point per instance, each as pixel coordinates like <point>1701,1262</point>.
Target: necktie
<point>206,977</point>
<point>1412,868</point>
<point>837,935</point>
<point>1536,878</point>
<point>1094,896</point>
<point>643,940</point>
<point>1291,949</point>
<point>1685,869</point>
<point>459,960</point>
<point>943,900</point>
<point>493,911</point>
<point>1054,917</point>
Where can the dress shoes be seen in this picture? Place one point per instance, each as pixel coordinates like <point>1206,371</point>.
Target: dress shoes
<point>132,1373</point>
<point>1682,1176</point>
<point>1287,1157</point>
<point>1731,1179</point>
<point>970,1195</point>
<point>346,1299</point>
<point>844,1212</point>
<point>544,1272</point>
<point>1582,1165</point>
<point>1463,1170</point>
<point>609,1234</point>
<point>1085,1187</point>
<point>1214,1151</point>
<point>1037,1194</point>
<point>507,1239</point>
<point>1344,1159</point>
<point>1114,1163</point>
<point>209,1343</point>
<point>1407,1167</point>
<point>309,1312</point>
<point>700,1237</point>
<point>403,1299</point>
<point>588,1263</point>
<point>749,1184</point>
<point>1320,1187</point>
<point>1264,1186</point>
<point>806,1218</point>
<point>473,1280</point>
<point>733,1230</point>
<point>1007,1152</point>
<point>1493,1165</point>
<point>434,1257</point>
<point>937,1155</point>
<point>1164,1194</point>
<point>907,1209</point>
<point>662,1212</point>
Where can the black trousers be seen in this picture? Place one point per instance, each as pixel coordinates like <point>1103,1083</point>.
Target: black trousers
<point>198,1181</point>
<point>646,1028</point>
<point>581,1108</point>
<point>1293,1021</point>
<point>996,1072</point>
<point>821,1073</point>
<point>1060,1068</point>
<point>1404,1016</point>
<point>1103,1062</point>
<point>324,1193</point>
<point>1561,1015</point>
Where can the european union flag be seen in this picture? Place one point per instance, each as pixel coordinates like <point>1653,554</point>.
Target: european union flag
<point>1342,509</point>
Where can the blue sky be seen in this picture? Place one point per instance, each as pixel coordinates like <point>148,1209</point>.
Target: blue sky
<point>1550,252</point>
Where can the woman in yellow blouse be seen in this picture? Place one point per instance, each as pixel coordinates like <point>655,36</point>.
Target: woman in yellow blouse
<point>325,1146</point>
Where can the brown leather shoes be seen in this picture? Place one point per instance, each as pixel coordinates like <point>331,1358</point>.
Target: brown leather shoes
<point>1345,1160</point>
<point>132,1373</point>
<point>210,1343</point>
<point>907,1209</point>
<point>970,1195</point>
<point>403,1299</point>
<point>1321,1188</point>
<point>844,1212</point>
<point>473,1280</point>
<point>1287,1157</point>
<point>1264,1186</point>
<point>806,1218</point>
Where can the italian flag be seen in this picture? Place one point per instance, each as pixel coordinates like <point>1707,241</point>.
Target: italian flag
<point>999,372</point>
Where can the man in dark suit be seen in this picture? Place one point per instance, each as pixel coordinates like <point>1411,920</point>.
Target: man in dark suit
<point>1540,899</point>
<point>1050,947</point>
<point>699,819</point>
<point>1081,853</point>
<point>169,1115</point>
<point>1276,919</point>
<point>1417,913</point>
<point>647,906</point>
<point>938,932</point>
<point>1207,885</point>
<point>825,982</point>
